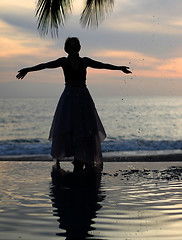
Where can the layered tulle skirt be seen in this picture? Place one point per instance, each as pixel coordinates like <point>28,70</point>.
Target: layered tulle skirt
<point>76,128</point>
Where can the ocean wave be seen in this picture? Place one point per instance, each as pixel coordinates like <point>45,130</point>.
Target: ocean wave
<point>141,145</point>
<point>43,146</point>
<point>24,146</point>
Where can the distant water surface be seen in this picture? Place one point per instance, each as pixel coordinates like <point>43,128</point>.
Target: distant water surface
<point>131,124</point>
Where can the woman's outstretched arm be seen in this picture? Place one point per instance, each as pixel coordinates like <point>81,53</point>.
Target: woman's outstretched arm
<point>53,64</point>
<point>99,65</point>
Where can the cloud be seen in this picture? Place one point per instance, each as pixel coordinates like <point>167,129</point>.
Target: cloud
<point>147,35</point>
<point>172,68</point>
<point>19,17</point>
<point>150,12</point>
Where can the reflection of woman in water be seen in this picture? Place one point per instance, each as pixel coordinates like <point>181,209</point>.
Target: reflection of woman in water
<point>76,202</point>
<point>76,128</point>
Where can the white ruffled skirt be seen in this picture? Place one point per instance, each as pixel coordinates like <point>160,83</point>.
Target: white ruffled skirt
<point>76,128</point>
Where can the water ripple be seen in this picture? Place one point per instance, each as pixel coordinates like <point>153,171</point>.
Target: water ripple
<point>128,205</point>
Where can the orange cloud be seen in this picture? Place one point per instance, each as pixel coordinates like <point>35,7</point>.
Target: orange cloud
<point>13,43</point>
<point>11,47</point>
<point>144,65</point>
<point>172,67</point>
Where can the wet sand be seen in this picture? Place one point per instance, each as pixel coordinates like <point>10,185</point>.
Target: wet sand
<point>129,200</point>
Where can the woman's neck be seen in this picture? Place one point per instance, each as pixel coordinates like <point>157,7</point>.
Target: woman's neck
<point>73,55</point>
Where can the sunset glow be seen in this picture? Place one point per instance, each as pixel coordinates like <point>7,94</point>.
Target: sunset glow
<point>143,35</point>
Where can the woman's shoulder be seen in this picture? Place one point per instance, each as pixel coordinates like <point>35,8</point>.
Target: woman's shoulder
<point>86,60</point>
<point>62,61</point>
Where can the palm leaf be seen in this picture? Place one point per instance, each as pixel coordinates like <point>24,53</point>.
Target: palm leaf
<point>51,14</point>
<point>95,11</point>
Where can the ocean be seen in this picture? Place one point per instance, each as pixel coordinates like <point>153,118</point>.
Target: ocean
<point>131,124</point>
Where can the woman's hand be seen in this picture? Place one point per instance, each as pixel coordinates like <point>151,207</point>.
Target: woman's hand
<point>22,73</point>
<point>125,69</point>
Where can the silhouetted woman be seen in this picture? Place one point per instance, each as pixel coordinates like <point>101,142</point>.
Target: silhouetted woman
<point>76,128</point>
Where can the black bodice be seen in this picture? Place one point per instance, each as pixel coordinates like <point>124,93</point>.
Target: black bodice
<point>75,77</point>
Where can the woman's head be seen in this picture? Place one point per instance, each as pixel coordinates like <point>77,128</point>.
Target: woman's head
<point>72,45</point>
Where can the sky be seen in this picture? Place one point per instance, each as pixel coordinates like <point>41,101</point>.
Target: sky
<point>143,34</point>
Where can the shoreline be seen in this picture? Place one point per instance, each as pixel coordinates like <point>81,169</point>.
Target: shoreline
<point>140,156</point>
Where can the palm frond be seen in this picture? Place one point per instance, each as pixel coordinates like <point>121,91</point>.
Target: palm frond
<point>95,12</point>
<point>51,14</point>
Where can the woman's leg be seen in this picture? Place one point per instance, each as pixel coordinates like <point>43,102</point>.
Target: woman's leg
<point>78,165</point>
<point>57,164</point>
